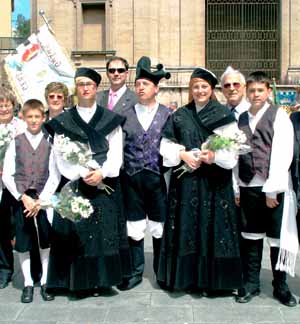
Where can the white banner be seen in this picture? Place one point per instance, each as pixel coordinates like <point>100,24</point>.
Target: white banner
<point>38,62</point>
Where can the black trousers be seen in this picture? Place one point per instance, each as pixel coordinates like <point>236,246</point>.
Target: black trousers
<point>6,235</point>
<point>256,216</point>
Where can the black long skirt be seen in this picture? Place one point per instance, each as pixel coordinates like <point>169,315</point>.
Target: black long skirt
<point>93,252</point>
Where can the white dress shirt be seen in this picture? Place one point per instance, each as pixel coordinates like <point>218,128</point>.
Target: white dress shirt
<point>244,105</point>
<point>145,114</point>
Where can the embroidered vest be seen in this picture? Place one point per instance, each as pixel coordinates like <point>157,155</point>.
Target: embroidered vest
<point>141,150</point>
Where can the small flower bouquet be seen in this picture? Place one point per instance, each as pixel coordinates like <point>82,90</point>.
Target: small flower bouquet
<point>6,136</point>
<point>232,140</point>
<point>77,153</point>
<point>69,204</point>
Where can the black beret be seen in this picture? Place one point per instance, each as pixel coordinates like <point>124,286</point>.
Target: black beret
<point>143,71</point>
<point>88,73</point>
<point>205,75</point>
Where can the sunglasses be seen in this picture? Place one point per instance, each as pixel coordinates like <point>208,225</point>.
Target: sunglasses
<point>53,96</point>
<point>119,70</point>
<point>236,85</point>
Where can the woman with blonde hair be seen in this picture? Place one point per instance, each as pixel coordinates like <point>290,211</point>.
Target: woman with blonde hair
<point>200,249</point>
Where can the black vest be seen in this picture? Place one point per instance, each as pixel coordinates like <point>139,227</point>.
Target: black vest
<point>257,161</point>
<point>31,164</point>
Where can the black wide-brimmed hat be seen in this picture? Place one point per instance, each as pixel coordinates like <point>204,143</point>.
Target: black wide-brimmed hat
<point>205,75</point>
<point>143,71</point>
<point>88,73</point>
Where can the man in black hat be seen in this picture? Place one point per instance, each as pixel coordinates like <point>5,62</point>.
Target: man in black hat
<point>100,257</point>
<point>144,186</point>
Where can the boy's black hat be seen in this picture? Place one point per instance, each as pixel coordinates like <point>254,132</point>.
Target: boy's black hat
<point>143,71</point>
<point>88,73</point>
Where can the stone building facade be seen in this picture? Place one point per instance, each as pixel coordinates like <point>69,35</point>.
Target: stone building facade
<point>180,34</point>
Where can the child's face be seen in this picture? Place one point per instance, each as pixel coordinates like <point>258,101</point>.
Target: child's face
<point>6,111</point>
<point>34,120</point>
<point>258,93</point>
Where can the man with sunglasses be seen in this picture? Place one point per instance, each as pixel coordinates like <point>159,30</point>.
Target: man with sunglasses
<point>233,87</point>
<point>118,98</point>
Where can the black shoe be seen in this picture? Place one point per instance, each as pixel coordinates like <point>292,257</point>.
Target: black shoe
<point>245,296</point>
<point>285,297</point>
<point>4,282</point>
<point>128,284</point>
<point>27,294</point>
<point>45,294</point>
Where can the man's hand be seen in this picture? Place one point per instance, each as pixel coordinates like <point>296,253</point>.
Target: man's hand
<point>207,156</point>
<point>93,178</point>
<point>271,202</point>
<point>237,200</point>
<point>190,159</point>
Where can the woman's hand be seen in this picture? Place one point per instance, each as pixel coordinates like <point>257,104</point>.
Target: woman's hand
<point>93,178</point>
<point>207,156</point>
<point>190,159</point>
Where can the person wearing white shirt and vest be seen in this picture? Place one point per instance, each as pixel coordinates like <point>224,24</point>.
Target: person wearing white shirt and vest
<point>25,174</point>
<point>118,98</point>
<point>233,85</point>
<point>143,183</point>
<point>265,194</point>
<point>16,126</point>
<point>101,257</point>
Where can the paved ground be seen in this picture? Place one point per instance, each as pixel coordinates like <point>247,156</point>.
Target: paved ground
<point>147,304</point>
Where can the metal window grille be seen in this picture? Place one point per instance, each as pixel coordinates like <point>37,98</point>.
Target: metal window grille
<point>244,34</point>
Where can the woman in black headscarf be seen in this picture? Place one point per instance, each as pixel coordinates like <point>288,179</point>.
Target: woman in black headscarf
<point>201,240</point>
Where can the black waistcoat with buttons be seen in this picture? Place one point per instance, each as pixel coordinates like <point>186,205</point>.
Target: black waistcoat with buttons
<point>258,160</point>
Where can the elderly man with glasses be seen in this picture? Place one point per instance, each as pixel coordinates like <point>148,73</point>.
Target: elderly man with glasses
<point>118,98</point>
<point>233,87</point>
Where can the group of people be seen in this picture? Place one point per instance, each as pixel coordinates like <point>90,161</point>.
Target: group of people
<point>207,224</point>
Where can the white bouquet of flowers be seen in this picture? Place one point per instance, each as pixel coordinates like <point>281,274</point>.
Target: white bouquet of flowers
<point>232,140</point>
<point>6,136</point>
<point>69,204</point>
<point>77,153</point>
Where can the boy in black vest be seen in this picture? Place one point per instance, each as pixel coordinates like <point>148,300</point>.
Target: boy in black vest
<point>263,176</point>
<point>143,182</point>
<point>25,173</point>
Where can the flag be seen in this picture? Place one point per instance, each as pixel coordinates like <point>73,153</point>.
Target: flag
<point>37,62</point>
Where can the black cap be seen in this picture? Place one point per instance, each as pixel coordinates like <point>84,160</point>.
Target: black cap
<point>88,73</point>
<point>205,75</point>
<point>143,71</point>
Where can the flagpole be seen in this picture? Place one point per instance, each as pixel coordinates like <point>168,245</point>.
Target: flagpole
<point>47,22</point>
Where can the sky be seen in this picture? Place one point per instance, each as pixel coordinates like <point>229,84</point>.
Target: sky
<point>21,7</point>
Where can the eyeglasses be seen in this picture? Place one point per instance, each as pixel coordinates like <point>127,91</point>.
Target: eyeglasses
<point>236,85</point>
<point>119,70</point>
<point>6,106</point>
<point>56,96</point>
<point>85,84</point>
